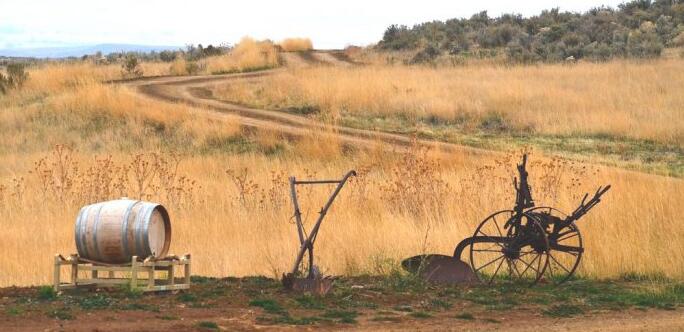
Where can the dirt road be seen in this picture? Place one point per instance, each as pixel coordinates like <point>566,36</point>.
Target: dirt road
<point>196,91</point>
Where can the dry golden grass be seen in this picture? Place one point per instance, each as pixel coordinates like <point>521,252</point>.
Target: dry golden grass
<point>376,220</point>
<point>625,99</point>
<point>296,44</point>
<point>385,214</point>
<point>248,54</point>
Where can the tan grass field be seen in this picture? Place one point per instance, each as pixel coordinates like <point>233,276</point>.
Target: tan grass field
<point>620,98</point>
<point>399,206</point>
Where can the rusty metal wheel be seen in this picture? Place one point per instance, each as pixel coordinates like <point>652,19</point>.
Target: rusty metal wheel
<point>509,247</point>
<point>565,244</point>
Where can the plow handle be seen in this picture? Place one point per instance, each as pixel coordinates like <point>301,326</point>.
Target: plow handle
<point>585,206</point>
<point>306,243</point>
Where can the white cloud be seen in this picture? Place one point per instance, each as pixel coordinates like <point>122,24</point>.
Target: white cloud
<point>36,23</point>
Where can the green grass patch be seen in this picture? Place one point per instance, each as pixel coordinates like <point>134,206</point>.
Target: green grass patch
<point>207,325</point>
<point>46,293</point>
<point>269,305</point>
<point>96,302</point>
<point>14,311</point>
<point>439,304</point>
<point>308,301</point>
<point>140,306</point>
<point>168,317</point>
<point>202,279</point>
<point>187,297</point>
<point>399,281</point>
<point>465,316</point>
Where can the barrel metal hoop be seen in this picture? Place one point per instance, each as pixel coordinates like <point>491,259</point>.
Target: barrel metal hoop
<point>138,229</point>
<point>146,235</point>
<point>77,232</point>
<point>97,222</point>
<point>84,226</point>
<point>124,229</point>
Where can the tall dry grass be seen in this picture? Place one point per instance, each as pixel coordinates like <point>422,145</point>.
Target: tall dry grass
<point>232,211</point>
<point>248,54</point>
<point>625,99</point>
<point>296,44</point>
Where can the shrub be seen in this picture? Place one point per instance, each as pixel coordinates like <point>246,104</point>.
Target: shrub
<point>192,68</point>
<point>16,76</point>
<point>167,56</point>
<point>3,84</point>
<point>131,66</point>
<point>296,44</point>
<point>47,293</point>
<point>428,54</point>
<point>644,44</point>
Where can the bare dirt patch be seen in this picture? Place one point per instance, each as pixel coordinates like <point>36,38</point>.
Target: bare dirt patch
<point>388,303</point>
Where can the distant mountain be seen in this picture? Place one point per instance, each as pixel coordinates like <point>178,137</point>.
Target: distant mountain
<point>77,51</point>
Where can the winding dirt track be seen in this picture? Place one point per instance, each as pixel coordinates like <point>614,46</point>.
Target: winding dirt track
<point>196,91</point>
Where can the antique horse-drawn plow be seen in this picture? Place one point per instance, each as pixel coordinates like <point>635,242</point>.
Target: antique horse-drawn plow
<point>525,244</point>
<point>313,282</point>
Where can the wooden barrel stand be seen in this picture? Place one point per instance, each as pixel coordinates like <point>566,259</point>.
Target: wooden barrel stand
<point>129,274</point>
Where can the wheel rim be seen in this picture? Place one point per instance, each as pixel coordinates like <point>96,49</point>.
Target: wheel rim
<point>565,248</point>
<point>521,257</point>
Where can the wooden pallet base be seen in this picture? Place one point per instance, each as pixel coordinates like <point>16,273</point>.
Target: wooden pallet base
<point>128,274</point>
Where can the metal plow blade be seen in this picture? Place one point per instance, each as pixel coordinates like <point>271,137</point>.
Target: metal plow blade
<point>440,269</point>
<point>318,285</point>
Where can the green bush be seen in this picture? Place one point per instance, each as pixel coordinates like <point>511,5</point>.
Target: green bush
<point>47,293</point>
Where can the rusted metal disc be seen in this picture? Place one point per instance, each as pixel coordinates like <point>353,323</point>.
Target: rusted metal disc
<point>440,269</point>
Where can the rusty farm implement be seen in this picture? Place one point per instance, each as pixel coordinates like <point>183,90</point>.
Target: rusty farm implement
<point>526,244</point>
<point>313,282</point>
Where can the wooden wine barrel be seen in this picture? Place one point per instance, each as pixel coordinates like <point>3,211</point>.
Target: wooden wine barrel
<point>115,231</point>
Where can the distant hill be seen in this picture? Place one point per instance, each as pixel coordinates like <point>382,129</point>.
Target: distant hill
<point>77,51</point>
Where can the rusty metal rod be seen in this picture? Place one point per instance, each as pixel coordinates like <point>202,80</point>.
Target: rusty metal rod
<point>317,182</point>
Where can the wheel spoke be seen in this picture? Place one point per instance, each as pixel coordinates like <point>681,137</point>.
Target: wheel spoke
<point>483,266</point>
<point>530,265</point>
<point>550,269</point>
<point>557,262</point>
<point>495,272</point>
<point>497,226</point>
<point>515,267</point>
<point>567,237</point>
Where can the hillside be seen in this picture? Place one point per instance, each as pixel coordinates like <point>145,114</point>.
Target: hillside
<point>636,29</point>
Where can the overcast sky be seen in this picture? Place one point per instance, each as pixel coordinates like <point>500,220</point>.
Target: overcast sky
<point>330,24</point>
